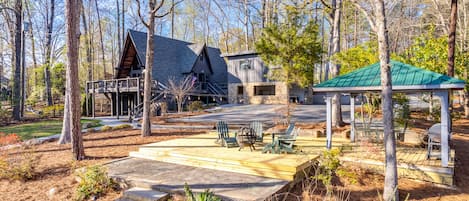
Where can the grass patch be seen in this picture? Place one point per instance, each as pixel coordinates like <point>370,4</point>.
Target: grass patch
<point>41,128</point>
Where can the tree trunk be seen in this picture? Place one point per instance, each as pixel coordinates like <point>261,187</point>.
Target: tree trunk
<point>48,64</point>
<point>452,37</point>
<point>17,58</point>
<point>118,30</point>
<point>103,59</point>
<point>73,39</point>
<point>172,19</point>
<point>246,24</point>
<point>390,179</point>
<point>87,45</point>
<point>65,134</point>
<point>335,68</point>
<point>33,43</point>
<point>146,126</point>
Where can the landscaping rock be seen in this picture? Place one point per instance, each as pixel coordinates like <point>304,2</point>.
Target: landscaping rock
<point>143,194</point>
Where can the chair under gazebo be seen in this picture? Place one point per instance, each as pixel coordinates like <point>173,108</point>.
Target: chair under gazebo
<point>405,79</point>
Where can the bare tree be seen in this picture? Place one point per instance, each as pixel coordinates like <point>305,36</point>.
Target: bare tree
<point>72,12</point>
<point>452,36</point>
<point>103,59</point>
<point>50,26</point>
<point>180,89</point>
<point>334,47</point>
<point>376,16</point>
<point>153,8</point>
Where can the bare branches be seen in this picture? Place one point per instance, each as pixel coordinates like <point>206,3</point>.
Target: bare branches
<point>369,14</point>
<point>140,14</point>
<point>180,88</point>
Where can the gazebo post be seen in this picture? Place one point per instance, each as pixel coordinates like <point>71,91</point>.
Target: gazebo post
<point>352,117</point>
<point>443,96</point>
<point>329,121</point>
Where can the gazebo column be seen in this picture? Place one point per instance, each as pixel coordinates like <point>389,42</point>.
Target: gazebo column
<point>352,117</point>
<point>329,121</point>
<point>445,122</point>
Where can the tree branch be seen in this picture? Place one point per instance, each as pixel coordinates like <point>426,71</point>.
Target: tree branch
<point>140,14</point>
<point>325,4</point>
<point>170,10</point>
<point>369,16</point>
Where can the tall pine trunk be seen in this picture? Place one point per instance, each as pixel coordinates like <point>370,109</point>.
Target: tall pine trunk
<point>72,12</point>
<point>335,68</point>
<point>452,37</point>
<point>49,29</point>
<point>146,126</point>
<point>390,179</point>
<point>103,59</point>
<point>17,58</point>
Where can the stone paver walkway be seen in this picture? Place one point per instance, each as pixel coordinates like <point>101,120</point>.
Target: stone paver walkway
<point>168,177</point>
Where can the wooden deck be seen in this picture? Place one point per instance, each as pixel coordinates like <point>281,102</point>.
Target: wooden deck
<point>412,163</point>
<point>201,151</point>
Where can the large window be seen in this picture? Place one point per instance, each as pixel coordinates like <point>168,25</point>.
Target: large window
<point>240,90</point>
<point>267,90</point>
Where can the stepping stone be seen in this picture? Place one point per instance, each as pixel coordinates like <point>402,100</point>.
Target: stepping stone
<point>144,194</point>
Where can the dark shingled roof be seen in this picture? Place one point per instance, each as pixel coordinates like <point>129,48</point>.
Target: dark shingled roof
<point>174,57</point>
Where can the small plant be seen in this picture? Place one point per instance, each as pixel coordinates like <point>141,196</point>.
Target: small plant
<point>329,166</point>
<point>204,196</point>
<point>94,182</point>
<point>7,139</point>
<point>19,166</point>
<point>106,128</point>
<point>5,115</point>
<point>122,126</point>
<point>195,106</point>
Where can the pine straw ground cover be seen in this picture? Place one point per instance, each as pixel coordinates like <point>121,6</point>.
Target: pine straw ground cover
<point>54,170</point>
<point>55,165</point>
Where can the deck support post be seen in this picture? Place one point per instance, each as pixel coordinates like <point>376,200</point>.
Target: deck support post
<point>329,121</point>
<point>445,122</point>
<point>86,100</point>
<point>117,100</point>
<point>129,107</point>
<point>138,91</point>
<point>352,117</point>
<point>93,101</point>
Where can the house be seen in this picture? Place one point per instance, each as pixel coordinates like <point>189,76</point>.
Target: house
<point>173,59</point>
<point>249,83</point>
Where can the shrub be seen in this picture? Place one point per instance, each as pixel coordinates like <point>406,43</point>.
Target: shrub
<point>94,182</point>
<point>195,106</point>
<point>5,115</point>
<point>7,139</point>
<point>122,126</point>
<point>330,166</point>
<point>204,196</point>
<point>106,128</point>
<point>19,166</point>
<point>53,111</point>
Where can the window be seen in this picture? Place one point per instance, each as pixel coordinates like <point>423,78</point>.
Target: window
<point>245,64</point>
<point>240,90</point>
<point>268,90</point>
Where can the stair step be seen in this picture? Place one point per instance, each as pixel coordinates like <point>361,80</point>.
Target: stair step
<point>257,171</point>
<point>144,194</point>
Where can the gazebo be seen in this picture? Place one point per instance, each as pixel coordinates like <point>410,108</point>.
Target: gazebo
<point>405,79</point>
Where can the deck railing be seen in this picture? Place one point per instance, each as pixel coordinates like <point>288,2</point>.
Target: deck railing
<point>122,84</point>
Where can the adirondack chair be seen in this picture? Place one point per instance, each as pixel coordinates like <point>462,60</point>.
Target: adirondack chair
<point>434,140</point>
<point>224,137</point>
<point>285,144</point>
<point>257,126</point>
<point>288,131</point>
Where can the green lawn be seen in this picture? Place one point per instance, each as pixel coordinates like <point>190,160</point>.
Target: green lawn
<point>41,128</point>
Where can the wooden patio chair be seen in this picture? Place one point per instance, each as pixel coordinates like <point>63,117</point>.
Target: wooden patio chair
<point>224,137</point>
<point>288,131</point>
<point>434,140</point>
<point>286,143</point>
<point>258,130</point>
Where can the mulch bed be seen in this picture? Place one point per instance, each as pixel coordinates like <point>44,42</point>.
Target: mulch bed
<point>55,167</point>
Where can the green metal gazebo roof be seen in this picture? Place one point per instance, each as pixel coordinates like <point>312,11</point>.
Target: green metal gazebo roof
<point>404,77</point>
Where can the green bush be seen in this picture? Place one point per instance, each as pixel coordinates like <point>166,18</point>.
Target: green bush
<point>106,128</point>
<point>53,110</point>
<point>18,166</point>
<point>122,126</point>
<point>195,106</point>
<point>204,196</point>
<point>94,181</point>
<point>5,116</point>
<point>330,166</point>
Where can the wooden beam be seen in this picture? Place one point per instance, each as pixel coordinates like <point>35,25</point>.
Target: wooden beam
<point>329,121</point>
<point>445,122</point>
